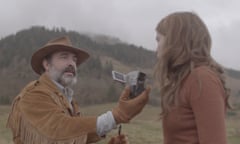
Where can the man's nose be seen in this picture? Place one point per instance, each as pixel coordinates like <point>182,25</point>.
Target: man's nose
<point>72,62</point>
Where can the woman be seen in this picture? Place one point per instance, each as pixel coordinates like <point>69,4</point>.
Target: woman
<point>194,97</point>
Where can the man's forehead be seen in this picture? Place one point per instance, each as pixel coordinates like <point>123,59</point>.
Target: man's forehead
<point>64,53</point>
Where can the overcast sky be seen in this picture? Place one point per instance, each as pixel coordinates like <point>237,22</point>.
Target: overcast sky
<point>133,21</point>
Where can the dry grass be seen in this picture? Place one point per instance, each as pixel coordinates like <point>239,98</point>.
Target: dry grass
<point>144,129</point>
<point>5,135</point>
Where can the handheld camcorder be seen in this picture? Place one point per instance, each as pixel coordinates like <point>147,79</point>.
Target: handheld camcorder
<point>134,79</point>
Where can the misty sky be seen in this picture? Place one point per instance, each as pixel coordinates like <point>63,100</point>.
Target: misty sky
<point>133,21</point>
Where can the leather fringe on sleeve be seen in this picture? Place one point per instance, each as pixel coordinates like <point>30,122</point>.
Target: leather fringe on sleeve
<point>24,133</point>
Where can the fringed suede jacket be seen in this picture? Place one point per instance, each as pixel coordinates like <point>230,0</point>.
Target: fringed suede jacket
<point>41,115</point>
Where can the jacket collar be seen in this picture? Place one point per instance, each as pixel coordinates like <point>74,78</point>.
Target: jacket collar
<point>45,79</point>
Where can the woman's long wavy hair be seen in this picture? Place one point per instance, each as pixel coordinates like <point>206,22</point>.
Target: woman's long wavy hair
<point>187,45</point>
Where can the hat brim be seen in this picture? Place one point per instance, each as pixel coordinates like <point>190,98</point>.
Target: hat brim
<point>38,56</point>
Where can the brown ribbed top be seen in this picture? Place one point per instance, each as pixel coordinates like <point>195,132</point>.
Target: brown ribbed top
<point>200,116</point>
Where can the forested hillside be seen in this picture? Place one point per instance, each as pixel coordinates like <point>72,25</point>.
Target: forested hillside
<point>95,84</point>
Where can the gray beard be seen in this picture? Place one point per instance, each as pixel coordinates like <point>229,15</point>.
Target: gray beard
<point>67,81</point>
<point>60,78</point>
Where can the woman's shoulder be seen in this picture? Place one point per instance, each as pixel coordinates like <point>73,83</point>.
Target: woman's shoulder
<point>203,70</point>
<point>201,82</point>
<point>202,74</point>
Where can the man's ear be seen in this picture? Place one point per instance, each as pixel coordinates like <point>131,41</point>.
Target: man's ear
<point>45,64</point>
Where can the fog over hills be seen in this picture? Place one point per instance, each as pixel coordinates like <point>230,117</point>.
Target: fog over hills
<point>95,84</point>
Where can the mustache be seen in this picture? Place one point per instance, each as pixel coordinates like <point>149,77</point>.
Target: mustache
<point>70,68</point>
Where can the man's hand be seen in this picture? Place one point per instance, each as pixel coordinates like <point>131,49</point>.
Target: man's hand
<point>120,139</point>
<point>128,108</point>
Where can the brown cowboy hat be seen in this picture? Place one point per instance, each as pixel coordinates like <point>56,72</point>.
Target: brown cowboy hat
<point>59,44</point>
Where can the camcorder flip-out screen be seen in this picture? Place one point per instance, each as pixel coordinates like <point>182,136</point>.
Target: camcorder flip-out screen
<point>120,77</point>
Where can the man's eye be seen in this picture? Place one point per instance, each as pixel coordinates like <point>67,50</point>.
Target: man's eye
<point>75,59</point>
<point>63,57</point>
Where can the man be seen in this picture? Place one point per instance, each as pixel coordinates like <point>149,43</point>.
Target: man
<point>45,112</point>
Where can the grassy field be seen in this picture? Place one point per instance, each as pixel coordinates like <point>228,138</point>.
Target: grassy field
<point>144,129</point>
